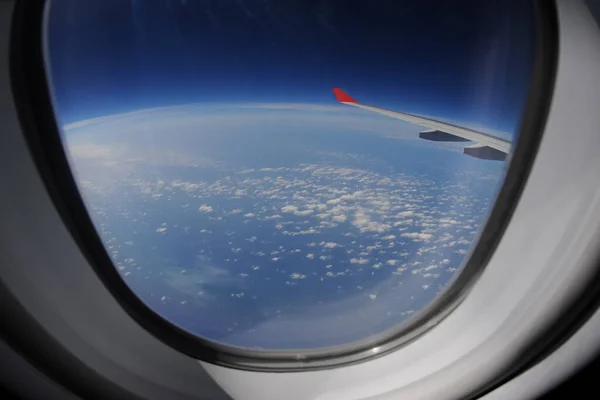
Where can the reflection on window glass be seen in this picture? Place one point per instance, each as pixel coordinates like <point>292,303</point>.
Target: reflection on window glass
<point>240,200</point>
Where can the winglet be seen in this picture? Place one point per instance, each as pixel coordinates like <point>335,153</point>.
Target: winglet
<point>342,96</point>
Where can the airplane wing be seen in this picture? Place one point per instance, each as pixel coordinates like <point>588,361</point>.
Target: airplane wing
<point>486,146</point>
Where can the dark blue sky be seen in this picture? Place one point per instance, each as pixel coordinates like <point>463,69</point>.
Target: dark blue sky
<point>463,60</point>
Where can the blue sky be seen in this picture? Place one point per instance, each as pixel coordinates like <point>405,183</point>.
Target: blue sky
<point>466,61</point>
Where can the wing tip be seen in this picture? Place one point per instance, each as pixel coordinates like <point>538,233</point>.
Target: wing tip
<point>342,96</point>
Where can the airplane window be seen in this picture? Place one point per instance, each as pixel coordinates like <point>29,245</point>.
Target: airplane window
<point>289,176</point>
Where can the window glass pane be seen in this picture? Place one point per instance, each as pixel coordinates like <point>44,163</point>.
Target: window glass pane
<point>240,200</point>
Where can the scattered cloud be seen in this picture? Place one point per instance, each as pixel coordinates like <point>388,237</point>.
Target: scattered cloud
<point>414,235</point>
<point>289,209</point>
<point>304,213</point>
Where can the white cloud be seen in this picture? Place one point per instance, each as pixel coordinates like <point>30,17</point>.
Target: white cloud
<point>303,213</point>
<point>330,245</point>
<point>276,216</point>
<point>404,222</point>
<point>310,256</point>
<point>319,207</point>
<point>360,261</point>
<point>296,275</point>
<point>159,230</point>
<point>339,218</point>
<point>364,223</point>
<point>389,237</point>
<point>206,208</point>
<point>415,235</point>
<point>448,221</point>
<point>289,209</point>
<point>310,231</point>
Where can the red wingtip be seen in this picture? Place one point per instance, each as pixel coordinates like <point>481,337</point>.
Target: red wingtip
<point>342,96</point>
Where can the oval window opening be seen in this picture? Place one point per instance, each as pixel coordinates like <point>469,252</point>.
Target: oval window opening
<point>289,176</point>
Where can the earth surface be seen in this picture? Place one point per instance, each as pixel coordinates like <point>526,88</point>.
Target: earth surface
<point>280,226</point>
